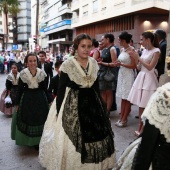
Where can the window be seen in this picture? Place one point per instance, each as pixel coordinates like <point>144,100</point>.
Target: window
<point>85,10</point>
<point>95,6</point>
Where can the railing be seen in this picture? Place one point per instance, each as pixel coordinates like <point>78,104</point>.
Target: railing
<point>65,6</point>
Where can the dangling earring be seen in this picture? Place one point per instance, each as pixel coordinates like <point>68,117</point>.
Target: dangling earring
<point>76,54</point>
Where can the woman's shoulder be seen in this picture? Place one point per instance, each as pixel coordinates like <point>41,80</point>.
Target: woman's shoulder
<point>156,50</point>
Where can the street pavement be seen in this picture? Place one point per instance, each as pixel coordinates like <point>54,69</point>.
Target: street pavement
<point>13,157</point>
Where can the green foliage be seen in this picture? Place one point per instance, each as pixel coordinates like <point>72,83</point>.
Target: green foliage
<point>11,6</point>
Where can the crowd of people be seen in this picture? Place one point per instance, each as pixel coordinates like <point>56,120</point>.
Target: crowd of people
<point>66,116</point>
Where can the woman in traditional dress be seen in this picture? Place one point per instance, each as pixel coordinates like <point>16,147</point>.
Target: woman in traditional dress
<point>126,77</point>
<point>146,81</point>
<point>81,138</point>
<point>151,150</point>
<point>28,121</point>
<point>11,90</point>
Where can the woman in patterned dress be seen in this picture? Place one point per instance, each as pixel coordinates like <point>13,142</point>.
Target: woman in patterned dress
<point>126,77</point>
<point>108,56</point>
<point>81,138</point>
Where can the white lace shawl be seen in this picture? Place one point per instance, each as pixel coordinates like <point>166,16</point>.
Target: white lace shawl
<point>32,81</point>
<point>157,110</point>
<point>13,79</point>
<point>76,73</point>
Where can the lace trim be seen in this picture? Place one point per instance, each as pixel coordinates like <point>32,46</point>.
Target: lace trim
<point>13,79</point>
<point>32,82</point>
<point>91,152</point>
<point>158,110</point>
<point>76,73</point>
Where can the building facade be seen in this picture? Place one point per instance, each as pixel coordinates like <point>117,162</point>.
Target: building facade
<point>24,24</point>
<point>6,34</point>
<point>55,26</point>
<point>97,17</point>
<point>18,29</point>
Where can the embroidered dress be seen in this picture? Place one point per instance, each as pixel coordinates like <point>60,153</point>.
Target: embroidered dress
<point>81,137</point>
<point>151,150</point>
<point>103,84</point>
<point>126,77</point>
<point>12,86</point>
<point>145,83</point>
<point>28,122</point>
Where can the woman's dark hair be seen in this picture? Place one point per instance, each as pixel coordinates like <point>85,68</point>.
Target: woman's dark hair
<point>153,37</point>
<point>80,37</point>
<point>110,37</point>
<point>15,64</point>
<point>28,55</point>
<point>42,52</point>
<point>58,63</point>
<point>95,43</point>
<point>125,36</point>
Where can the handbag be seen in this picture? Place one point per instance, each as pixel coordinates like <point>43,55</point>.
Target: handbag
<point>101,74</point>
<point>8,102</point>
<point>109,75</point>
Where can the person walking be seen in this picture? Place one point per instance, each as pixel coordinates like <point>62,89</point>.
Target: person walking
<point>32,105</point>
<point>10,90</point>
<point>53,87</point>
<point>45,66</point>
<point>81,138</point>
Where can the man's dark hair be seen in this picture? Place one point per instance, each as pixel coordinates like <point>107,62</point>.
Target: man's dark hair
<point>161,34</point>
<point>58,63</point>
<point>42,52</point>
<point>110,37</point>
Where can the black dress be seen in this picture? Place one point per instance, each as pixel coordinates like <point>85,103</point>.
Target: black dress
<point>83,132</point>
<point>153,150</point>
<point>32,98</point>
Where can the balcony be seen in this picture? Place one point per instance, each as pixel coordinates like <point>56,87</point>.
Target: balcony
<point>66,8</point>
<point>62,25</point>
<point>75,6</point>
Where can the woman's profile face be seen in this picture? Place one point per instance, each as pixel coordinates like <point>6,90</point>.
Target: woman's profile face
<point>143,41</point>
<point>32,62</point>
<point>84,48</point>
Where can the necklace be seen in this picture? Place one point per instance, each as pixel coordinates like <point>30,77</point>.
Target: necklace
<point>85,69</point>
<point>126,48</point>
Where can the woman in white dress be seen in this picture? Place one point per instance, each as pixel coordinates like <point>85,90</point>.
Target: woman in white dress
<point>81,137</point>
<point>126,77</point>
<point>146,81</point>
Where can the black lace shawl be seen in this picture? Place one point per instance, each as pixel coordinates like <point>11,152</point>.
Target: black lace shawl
<point>85,121</point>
<point>152,151</point>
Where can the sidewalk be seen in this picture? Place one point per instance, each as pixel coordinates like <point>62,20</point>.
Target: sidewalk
<point>13,157</point>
